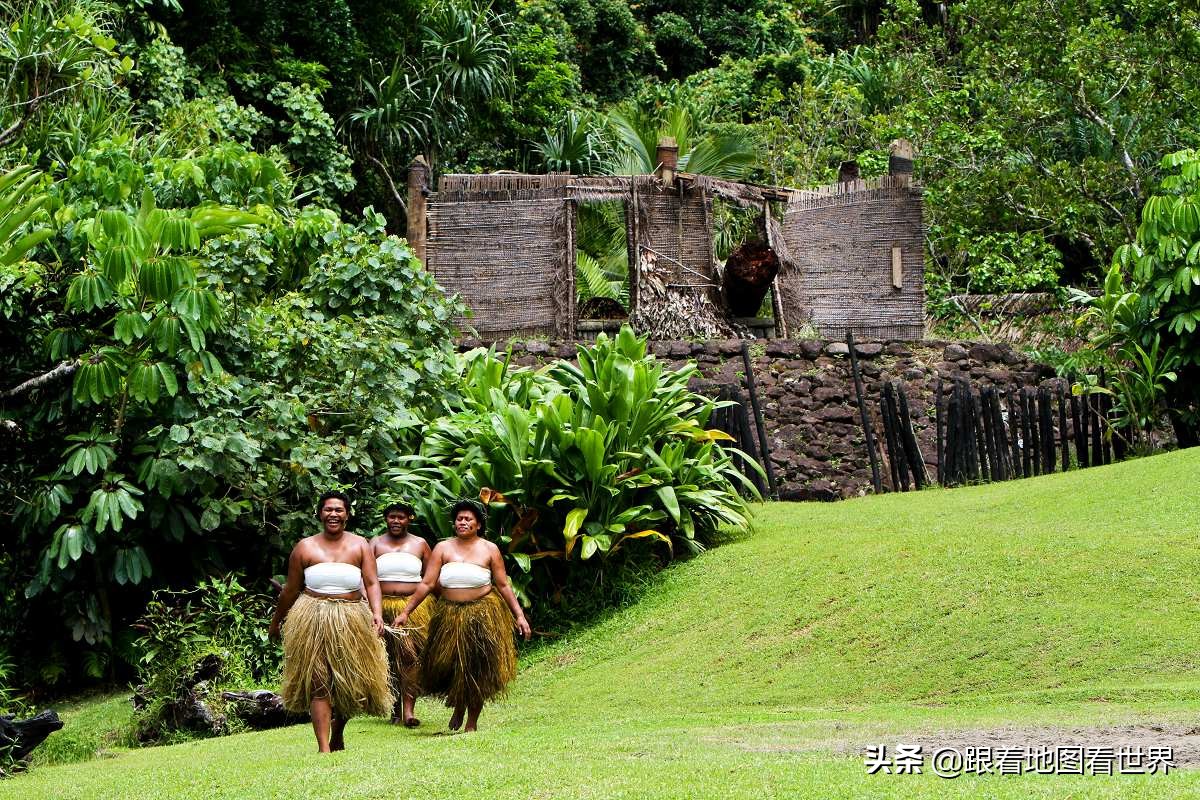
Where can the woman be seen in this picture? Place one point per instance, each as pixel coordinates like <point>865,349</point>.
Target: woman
<point>399,560</point>
<point>334,662</point>
<point>469,651</point>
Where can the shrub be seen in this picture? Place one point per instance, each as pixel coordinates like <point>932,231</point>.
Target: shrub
<point>216,633</point>
<point>585,467</point>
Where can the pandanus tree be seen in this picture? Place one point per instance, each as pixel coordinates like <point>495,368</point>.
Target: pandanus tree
<point>46,57</point>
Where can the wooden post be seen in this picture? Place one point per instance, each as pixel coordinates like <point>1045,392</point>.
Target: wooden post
<point>948,467</point>
<point>889,435</point>
<point>781,330</point>
<point>1029,449</point>
<point>667,158</point>
<point>746,438</point>
<point>864,416</point>
<point>941,430</point>
<point>418,217</point>
<point>900,160</point>
<point>1062,426</point>
<point>1046,423</point>
<point>981,446</point>
<point>1079,419</point>
<point>1004,454</point>
<point>764,445</point>
<point>912,449</point>
<point>1013,402</point>
<point>1104,406</point>
<point>989,432</point>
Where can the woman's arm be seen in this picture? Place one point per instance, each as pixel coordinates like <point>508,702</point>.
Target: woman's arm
<point>500,579</point>
<point>370,581</point>
<point>291,590</point>
<point>433,567</point>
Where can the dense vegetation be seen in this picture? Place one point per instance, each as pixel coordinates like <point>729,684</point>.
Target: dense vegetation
<point>206,316</point>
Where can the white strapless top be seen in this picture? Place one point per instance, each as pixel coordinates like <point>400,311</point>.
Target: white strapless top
<point>399,567</point>
<point>463,575</point>
<point>332,577</point>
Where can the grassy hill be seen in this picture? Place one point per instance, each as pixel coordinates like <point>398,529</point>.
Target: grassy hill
<point>763,667</point>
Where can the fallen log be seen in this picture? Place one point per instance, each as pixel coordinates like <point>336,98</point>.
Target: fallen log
<point>261,710</point>
<point>19,737</point>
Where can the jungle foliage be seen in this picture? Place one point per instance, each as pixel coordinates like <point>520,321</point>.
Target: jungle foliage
<point>199,345</point>
<point>205,319</point>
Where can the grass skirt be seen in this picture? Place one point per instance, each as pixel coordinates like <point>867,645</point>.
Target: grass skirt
<point>331,650</point>
<point>404,648</point>
<point>470,655</point>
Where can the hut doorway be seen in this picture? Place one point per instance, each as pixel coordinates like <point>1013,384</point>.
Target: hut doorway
<point>603,293</point>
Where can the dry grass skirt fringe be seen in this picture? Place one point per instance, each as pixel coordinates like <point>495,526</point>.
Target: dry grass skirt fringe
<point>330,649</point>
<point>470,655</point>
<point>405,647</point>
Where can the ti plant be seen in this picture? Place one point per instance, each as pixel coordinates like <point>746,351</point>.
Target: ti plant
<point>580,464</point>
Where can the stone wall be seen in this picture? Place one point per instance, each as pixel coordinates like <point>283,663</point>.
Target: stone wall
<point>806,392</point>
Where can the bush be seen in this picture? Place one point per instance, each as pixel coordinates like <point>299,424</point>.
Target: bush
<point>586,468</point>
<point>215,631</point>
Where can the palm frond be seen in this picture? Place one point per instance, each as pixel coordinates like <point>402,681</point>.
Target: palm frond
<point>721,156</point>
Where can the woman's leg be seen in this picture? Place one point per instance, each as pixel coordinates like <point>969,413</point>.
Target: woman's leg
<point>399,714</point>
<point>337,737</point>
<point>456,719</point>
<point>322,714</point>
<point>410,702</point>
<point>473,717</point>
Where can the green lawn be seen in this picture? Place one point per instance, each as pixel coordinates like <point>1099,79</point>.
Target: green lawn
<point>763,667</point>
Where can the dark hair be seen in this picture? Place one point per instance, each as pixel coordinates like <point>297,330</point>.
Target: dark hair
<point>403,507</point>
<point>474,506</point>
<point>334,495</point>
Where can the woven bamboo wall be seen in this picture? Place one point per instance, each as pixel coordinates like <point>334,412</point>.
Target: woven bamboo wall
<point>839,272</point>
<point>678,230</point>
<point>511,261</point>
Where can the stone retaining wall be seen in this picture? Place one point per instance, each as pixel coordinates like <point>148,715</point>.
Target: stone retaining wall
<point>806,392</point>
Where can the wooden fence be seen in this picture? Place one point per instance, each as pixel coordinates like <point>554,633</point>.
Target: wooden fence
<point>988,433</point>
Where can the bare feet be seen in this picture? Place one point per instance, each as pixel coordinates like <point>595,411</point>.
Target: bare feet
<point>473,718</point>
<point>406,707</point>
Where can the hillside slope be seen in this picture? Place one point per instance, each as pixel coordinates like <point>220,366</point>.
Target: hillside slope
<point>760,668</point>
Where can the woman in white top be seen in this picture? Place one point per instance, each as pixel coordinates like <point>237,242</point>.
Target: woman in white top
<point>400,560</point>
<point>470,655</point>
<point>334,661</point>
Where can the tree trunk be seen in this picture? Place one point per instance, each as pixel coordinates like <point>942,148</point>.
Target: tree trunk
<point>749,271</point>
<point>18,737</point>
<point>261,709</point>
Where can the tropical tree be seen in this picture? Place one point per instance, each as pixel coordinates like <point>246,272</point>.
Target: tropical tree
<point>1147,319</point>
<point>428,97</point>
<point>637,131</point>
